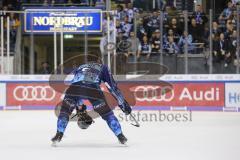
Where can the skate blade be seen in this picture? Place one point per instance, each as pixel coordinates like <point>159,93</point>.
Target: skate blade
<point>54,144</point>
<point>123,144</point>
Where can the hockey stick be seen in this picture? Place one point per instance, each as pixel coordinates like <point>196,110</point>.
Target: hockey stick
<point>75,115</point>
<point>136,122</point>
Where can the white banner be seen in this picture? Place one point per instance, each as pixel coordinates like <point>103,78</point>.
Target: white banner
<point>199,92</point>
<point>2,94</point>
<point>167,77</point>
<point>232,94</point>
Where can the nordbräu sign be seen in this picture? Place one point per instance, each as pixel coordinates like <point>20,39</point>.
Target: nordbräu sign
<point>66,20</point>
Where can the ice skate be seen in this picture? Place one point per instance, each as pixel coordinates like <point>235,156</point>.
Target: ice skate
<point>122,139</point>
<point>56,139</point>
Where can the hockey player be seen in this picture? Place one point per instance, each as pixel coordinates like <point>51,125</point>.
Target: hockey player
<point>86,85</point>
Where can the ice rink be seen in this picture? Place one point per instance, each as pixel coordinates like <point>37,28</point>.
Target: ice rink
<point>25,135</point>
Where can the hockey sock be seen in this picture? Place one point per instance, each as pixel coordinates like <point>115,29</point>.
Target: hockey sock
<point>113,123</point>
<point>62,122</point>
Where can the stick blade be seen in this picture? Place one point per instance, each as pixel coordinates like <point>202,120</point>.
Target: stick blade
<point>136,125</point>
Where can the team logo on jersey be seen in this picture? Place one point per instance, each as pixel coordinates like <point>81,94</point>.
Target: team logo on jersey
<point>85,69</point>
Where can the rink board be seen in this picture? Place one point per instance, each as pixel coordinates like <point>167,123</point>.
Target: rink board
<point>171,92</point>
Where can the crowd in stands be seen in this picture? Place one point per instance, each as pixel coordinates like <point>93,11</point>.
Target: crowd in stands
<point>142,28</point>
<point>225,35</point>
<point>148,29</point>
<point>175,36</point>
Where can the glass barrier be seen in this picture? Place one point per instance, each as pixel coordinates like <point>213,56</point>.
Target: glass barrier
<point>188,44</point>
<point>129,41</point>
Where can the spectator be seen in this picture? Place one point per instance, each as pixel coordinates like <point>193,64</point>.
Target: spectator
<point>126,27</point>
<point>201,19</point>
<point>153,23</point>
<point>206,35</point>
<point>120,13</point>
<point>118,27</point>
<point>221,50</point>
<point>196,31</point>
<point>233,19</point>
<point>144,48</point>
<point>14,24</point>
<point>171,47</point>
<point>141,31</point>
<point>233,44</point>
<point>227,12</point>
<point>105,26</point>
<point>134,41</point>
<point>122,53</point>
<point>156,42</point>
<point>170,33</point>
<point>45,69</point>
<point>129,12</point>
<point>225,15</point>
<point>177,29</point>
<point>200,16</point>
<point>185,39</point>
<point>216,30</point>
<point>229,30</point>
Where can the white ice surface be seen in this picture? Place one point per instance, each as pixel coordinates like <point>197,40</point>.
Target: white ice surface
<point>25,135</point>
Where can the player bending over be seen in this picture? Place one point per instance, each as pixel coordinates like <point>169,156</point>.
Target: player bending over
<point>86,85</point>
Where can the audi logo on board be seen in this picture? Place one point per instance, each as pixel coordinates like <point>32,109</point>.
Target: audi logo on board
<point>154,93</point>
<point>34,93</point>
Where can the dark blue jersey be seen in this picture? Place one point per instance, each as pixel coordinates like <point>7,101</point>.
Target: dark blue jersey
<point>95,73</point>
